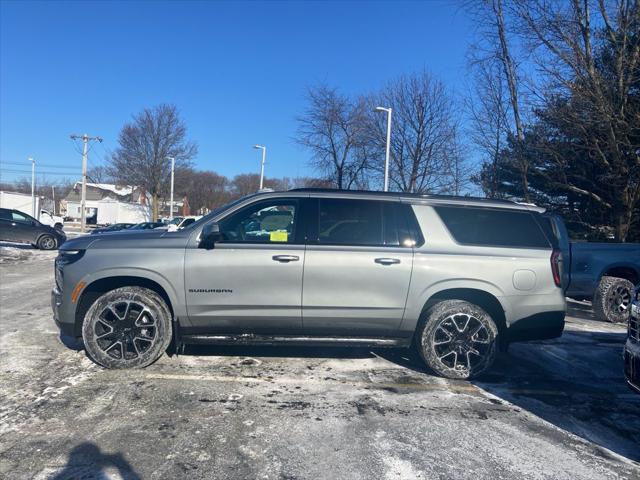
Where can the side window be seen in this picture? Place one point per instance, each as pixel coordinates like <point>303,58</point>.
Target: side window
<point>5,214</point>
<point>493,227</point>
<point>357,222</point>
<point>19,217</point>
<point>265,222</point>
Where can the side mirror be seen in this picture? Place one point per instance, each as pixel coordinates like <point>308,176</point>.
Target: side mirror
<point>210,235</point>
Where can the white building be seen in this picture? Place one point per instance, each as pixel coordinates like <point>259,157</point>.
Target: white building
<point>107,203</point>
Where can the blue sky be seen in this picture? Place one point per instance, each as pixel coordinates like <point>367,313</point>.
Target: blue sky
<point>237,71</point>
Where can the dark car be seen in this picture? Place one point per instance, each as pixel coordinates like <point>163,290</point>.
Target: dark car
<point>113,228</point>
<point>147,226</point>
<point>19,227</point>
<point>632,347</point>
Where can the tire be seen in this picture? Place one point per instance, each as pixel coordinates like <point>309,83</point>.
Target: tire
<point>47,242</point>
<point>612,299</point>
<point>129,327</point>
<point>455,328</point>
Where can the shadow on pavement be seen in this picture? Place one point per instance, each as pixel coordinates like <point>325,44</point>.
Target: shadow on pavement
<point>576,383</point>
<point>86,461</point>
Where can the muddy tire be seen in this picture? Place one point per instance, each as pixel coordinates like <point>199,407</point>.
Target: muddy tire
<point>129,327</point>
<point>612,299</point>
<point>47,242</point>
<point>457,339</point>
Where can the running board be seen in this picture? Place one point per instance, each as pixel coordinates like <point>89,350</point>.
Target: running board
<point>253,339</point>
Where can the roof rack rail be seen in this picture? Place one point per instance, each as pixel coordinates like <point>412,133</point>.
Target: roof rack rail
<point>403,194</point>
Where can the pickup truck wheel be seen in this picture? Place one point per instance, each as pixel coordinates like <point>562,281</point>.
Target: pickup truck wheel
<point>129,327</point>
<point>612,299</point>
<point>47,242</point>
<point>457,339</point>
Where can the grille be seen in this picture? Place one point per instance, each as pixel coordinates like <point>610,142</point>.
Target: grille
<point>634,329</point>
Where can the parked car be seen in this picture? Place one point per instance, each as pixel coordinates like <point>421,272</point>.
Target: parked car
<point>632,347</point>
<point>456,277</point>
<point>604,273</point>
<point>178,223</point>
<point>19,227</point>
<point>146,226</point>
<point>112,228</point>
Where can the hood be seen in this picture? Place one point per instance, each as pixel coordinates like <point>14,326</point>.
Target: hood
<point>129,239</point>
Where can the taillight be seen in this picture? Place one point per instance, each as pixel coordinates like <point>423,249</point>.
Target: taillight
<point>556,261</point>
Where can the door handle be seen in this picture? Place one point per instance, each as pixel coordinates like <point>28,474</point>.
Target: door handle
<point>387,261</point>
<point>285,258</point>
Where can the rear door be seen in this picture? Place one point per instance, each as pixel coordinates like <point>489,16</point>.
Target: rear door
<point>357,268</point>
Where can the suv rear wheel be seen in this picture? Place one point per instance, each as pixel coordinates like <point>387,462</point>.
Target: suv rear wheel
<point>457,339</point>
<point>612,299</point>
<point>129,327</point>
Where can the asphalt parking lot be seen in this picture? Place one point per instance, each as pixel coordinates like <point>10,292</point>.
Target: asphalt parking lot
<point>556,409</point>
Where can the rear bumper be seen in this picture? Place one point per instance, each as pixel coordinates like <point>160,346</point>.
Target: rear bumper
<point>632,364</point>
<point>541,326</point>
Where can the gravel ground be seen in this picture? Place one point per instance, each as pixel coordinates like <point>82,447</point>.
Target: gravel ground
<point>557,409</point>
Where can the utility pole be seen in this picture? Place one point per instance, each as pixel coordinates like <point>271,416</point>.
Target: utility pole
<point>33,188</point>
<point>264,156</point>
<point>85,150</point>
<point>173,165</point>
<point>53,197</point>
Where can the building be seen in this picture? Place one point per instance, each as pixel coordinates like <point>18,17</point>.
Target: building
<point>107,204</point>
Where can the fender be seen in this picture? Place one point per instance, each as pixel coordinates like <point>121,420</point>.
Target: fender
<point>176,298</point>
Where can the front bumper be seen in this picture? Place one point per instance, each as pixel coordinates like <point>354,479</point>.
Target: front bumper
<point>56,304</point>
<point>632,349</point>
<point>632,365</point>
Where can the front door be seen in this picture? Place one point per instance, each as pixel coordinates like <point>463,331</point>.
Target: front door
<point>251,280</point>
<point>357,268</point>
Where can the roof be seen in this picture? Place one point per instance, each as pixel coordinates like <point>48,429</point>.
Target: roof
<point>426,198</point>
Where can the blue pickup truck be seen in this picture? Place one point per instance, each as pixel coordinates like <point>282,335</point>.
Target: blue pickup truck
<point>604,273</point>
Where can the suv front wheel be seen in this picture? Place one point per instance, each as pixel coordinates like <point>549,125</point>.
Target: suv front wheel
<point>457,339</point>
<point>129,327</point>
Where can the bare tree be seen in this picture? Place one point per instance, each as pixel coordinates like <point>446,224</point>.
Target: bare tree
<point>332,128</point>
<point>144,146</point>
<point>205,190</point>
<point>589,52</point>
<point>424,134</point>
<point>496,48</point>
<point>487,106</point>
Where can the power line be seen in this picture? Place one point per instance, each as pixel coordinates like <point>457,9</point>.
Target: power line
<point>13,170</point>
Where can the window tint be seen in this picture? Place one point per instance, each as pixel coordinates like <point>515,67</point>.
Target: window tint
<point>482,226</point>
<point>5,214</point>
<point>357,222</point>
<point>265,222</point>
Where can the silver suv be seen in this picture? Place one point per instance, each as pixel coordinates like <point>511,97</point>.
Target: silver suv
<point>458,278</point>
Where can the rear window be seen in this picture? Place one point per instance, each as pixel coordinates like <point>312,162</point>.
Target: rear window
<point>493,227</point>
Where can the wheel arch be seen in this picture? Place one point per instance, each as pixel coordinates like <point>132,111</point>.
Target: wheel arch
<point>105,284</point>
<point>482,298</point>
<point>622,270</point>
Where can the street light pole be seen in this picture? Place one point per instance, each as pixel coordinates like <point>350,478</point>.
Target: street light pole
<point>173,164</point>
<point>386,158</point>
<point>264,156</point>
<point>33,187</point>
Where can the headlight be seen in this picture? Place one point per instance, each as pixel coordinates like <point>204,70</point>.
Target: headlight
<point>66,257</point>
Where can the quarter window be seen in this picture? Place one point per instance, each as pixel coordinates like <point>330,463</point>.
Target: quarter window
<point>493,227</point>
<point>265,222</point>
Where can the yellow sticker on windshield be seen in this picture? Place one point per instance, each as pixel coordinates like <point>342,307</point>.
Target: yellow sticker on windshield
<point>279,236</point>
